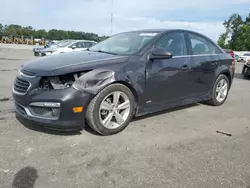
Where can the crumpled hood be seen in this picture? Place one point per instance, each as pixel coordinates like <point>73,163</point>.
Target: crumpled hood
<point>72,62</point>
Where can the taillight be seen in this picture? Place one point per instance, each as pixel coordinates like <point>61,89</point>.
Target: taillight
<point>232,54</point>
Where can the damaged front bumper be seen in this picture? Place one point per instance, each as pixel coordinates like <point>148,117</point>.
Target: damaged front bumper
<point>53,108</point>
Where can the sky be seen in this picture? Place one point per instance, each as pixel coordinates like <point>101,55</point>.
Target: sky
<point>204,16</point>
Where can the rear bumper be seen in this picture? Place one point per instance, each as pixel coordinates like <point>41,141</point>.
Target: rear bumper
<point>65,119</point>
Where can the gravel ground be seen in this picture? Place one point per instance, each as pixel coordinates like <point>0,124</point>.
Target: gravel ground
<point>175,148</point>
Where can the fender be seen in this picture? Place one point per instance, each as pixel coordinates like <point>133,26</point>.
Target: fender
<point>95,80</point>
<point>224,70</point>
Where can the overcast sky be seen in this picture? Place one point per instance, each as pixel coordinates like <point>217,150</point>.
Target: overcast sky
<point>205,16</point>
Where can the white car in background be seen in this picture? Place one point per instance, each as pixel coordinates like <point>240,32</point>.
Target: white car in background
<point>69,46</point>
<point>245,57</point>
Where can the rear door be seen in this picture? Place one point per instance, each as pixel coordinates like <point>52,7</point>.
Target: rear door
<point>205,60</point>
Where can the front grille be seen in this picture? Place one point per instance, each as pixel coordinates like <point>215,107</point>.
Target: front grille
<point>28,73</point>
<point>21,86</point>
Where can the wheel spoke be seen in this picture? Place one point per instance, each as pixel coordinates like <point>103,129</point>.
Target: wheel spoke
<point>218,96</point>
<point>116,96</point>
<point>124,105</point>
<point>119,118</point>
<point>224,87</point>
<point>217,89</point>
<point>105,106</point>
<point>222,95</point>
<point>107,120</point>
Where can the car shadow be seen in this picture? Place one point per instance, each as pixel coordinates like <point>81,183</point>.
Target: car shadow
<point>25,178</point>
<point>166,111</point>
<point>240,76</point>
<point>40,128</point>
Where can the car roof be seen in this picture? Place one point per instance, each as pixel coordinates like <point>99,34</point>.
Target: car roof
<point>161,31</point>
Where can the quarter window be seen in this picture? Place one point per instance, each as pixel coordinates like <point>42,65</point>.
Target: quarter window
<point>202,46</point>
<point>174,43</point>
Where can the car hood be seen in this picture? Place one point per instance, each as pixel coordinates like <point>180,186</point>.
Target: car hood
<point>72,62</point>
<point>49,49</point>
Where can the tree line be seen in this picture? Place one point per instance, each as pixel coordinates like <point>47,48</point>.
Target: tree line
<point>237,34</point>
<point>19,31</point>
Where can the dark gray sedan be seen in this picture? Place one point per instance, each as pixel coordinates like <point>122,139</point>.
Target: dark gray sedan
<point>129,74</point>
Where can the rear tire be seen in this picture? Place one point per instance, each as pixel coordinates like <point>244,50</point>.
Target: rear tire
<point>105,115</point>
<point>220,91</point>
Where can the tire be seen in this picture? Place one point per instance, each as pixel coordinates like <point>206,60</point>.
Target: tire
<point>213,101</point>
<point>94,116</point>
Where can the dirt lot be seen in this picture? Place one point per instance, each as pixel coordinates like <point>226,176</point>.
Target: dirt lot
<point>175,148</point>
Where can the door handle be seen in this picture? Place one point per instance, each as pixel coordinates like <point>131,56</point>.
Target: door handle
<point>185,67</point>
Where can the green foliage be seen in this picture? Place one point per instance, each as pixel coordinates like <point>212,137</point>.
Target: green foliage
<point>53,34</point>
<point>238,33</point>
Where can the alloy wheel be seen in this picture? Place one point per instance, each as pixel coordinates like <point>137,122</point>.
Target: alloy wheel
<point>114,110</point>
<point>221,90</point>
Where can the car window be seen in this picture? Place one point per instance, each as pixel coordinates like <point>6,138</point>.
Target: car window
<point>202,46</point>
<point>79,45</point>
<point>88,44</point>
<point>246,54</point>
<point>173,42</point>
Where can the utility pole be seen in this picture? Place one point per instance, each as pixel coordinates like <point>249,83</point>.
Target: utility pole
<point>111,18</point>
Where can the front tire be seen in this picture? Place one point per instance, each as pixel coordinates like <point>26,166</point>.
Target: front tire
<point>111,110</point>
<point>220,91</point>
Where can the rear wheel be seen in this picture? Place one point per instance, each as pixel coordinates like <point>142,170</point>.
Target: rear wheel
<point>111,110</point>
<point>220,91</point>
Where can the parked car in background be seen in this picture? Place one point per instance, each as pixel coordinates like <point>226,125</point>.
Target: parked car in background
<point>51,44</point>
<point>69,46</point>
<point>236,57</point>
<point>129,74</point>
<point>229,51</point>
<point>245,57</point>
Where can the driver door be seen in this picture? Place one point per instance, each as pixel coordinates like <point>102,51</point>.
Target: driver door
<point>168,81</point>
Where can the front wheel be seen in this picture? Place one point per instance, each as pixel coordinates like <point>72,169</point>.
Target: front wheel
<point>111,110</point>
<point>220,91</point>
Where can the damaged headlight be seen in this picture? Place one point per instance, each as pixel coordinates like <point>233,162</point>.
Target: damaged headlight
<point>59,82</point>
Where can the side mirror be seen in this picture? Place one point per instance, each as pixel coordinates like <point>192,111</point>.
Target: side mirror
<point>73,47</point>
<point>160,53</point>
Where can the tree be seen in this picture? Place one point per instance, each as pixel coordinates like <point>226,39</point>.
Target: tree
<point>1,29</point>
<point>222,40</point>
<point>239,32</point>
<point>247,21</point>
<point>242,42</point>
<point>53,34</point>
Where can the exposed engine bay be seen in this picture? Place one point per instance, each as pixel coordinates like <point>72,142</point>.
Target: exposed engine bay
<point>91,81</point>
<point>61,81</point>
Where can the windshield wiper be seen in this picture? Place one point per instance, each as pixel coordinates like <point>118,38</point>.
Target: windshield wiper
<point>101,51</point>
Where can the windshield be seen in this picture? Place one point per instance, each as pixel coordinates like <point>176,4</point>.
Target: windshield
<point>124,43</point>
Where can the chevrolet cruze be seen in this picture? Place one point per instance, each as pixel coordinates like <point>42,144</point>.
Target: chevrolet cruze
<point>129,74</point>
